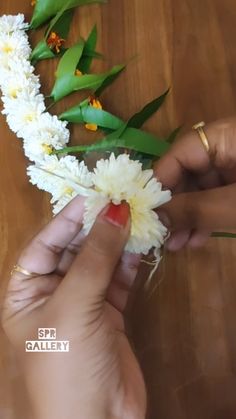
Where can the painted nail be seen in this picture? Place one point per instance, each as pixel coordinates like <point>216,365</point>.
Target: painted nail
<point>118,214</point>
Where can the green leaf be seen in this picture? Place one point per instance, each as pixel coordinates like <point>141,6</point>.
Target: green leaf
<point>88,114</point>
<point>144,142</point>
<point>46,9</point>
<point>91,42</point>
<point>71,83</point>
<point>131,138</point>
<point>109,80</point>
<point>55,22</point>
<point>61,27</point>
<point>92,54</point>
<point>41,52</point>
<point>101,118</point>
<point>68,84</point>
<point>225,235</point>
<point>89,49</point>
<point>139,118</point>
<point>117,134</point>
<point>173,135</point>
<point>69,61</point>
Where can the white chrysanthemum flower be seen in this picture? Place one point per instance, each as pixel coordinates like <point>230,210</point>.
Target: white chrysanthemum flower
<point>19,85</point>
<point>63,201</point>
<point>15,45</point>
<point>23,112</point>
<point>13,64</point>
<point>43,136</point>
<point>122,179</point>
<point>10,23</point>
<point>16,67</point>
<point>60,177</point>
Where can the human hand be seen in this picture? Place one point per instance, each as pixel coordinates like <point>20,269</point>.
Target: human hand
<point>81,289</point>
<point>204,185</point>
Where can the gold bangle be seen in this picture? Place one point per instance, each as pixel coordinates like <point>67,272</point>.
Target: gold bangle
<point>18,268</point>
<point>199,128</point>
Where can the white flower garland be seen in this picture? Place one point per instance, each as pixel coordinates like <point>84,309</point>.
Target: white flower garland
<point>114,179</point>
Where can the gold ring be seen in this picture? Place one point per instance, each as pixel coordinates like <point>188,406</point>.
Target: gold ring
<point>18,268</point>
<point>199,128</point>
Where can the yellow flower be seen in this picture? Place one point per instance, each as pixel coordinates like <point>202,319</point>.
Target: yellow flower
<point>95,103</point>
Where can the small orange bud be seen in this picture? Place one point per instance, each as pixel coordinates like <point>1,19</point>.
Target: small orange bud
<point>95,103</point>
<point>91,127</point>
<point>55,42</point>
<point>78,72</point>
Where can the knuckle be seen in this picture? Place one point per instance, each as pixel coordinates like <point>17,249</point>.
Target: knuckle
<point>222,147</point>
<point>74,249</point>
<point>223,157</point>
<point>71,224</point>
<point>51,247</point>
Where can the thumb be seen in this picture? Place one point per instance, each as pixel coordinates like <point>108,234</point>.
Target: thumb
<point>212,209</point>
<point>92,270</point>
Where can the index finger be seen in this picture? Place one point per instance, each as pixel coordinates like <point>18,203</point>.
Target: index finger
<point>44,251</point>
<point>187,154</point>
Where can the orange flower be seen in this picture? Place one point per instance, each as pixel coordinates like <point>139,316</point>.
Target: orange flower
<point>54,41</point>
<point>95,103</point>
<point>33,2</point>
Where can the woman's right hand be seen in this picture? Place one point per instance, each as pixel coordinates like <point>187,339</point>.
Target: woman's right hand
<point>204,185</point>
<point>81,289</point>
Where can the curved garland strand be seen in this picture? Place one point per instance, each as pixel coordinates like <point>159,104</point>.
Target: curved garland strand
<point>113,180</point>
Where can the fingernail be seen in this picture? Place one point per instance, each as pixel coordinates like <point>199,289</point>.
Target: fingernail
<point>164,218</point>
<point>117,214</point>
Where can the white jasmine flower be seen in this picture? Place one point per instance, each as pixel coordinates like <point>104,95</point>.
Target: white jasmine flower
<point>15,45</point>
<point>61,177</point>
<point>43,136</point>
<point>122,179</point>
<point>23,112</point>
<point>10,23</point>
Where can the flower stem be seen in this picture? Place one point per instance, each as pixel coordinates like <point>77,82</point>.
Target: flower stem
<point>223,234</point>
<point>74,149</point>
<point>50,106</point>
